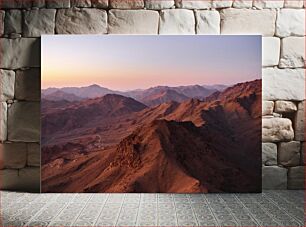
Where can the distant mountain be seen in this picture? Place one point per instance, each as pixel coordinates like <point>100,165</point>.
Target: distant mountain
<point>218,87</point>
<point>61,95</point>
<point>158,97</point>
<point>151,96</point>
<point>79,114</point>
<point>208,145</point>
<point>92,91</point>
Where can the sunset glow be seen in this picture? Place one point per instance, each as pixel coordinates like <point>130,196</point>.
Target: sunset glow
<point>133,62</point>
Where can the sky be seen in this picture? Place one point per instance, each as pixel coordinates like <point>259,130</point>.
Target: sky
<point>127,62</point>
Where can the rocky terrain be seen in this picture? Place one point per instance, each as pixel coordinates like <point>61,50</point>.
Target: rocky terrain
<point>206,143</point>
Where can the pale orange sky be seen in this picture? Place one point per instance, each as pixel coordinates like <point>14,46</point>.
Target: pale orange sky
<point>131,62</point>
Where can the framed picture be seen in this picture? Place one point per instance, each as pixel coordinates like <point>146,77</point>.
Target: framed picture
<point>166,114</point>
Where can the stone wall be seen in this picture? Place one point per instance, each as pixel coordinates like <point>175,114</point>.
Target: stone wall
<point>281,22</point>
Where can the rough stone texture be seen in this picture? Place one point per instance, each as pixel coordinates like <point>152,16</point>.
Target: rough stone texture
<point>267,107</point>
<point>2,14</point>
<point>33,154</point>
<point>39,3</point>
<point>39,22</point>
<point>242,4</point>
<point>299,122</point>
<point>3,121</point>
<point>303,161</point>
<point>293,52</point>
<point>191,4</point>
<point>269,154</point>
<point>15,4</point>
<point>80,3</point>
<point>159,4</point>
<point>289,153</point>
<point>81,21</point>
<point>7,80</point>
<point>221,3</point>
<point>13,155</point>
<point>261,4</point>
<point>178,21</point>
<point>285,106</point>
<point>274,177</point>
<point>208,22</point>
<point>270,51</point>
<point>20,53</point>
<point>290,22</point>
<point>100,3</point>
<point>277,129</point>
<point>27,84</point>
<point>13,21</point>
<point>126,4</point>
<point>24,122</point>
<point>133,22</point>
<point>296,177</point>
<point>291,82</point>
<point>293,3</point>
<point>248,21</point>
<point>56,4</point>
<point>27,179</point>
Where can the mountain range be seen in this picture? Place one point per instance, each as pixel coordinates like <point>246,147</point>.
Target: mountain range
<point>152,96</point>
<point>163,139</point>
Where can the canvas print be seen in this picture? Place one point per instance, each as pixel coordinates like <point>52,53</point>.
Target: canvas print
<point>156,114</point>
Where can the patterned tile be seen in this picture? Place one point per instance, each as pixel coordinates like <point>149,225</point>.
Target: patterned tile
<point>270,208</point>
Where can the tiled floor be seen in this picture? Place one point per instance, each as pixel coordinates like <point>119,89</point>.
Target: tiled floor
<point>271,208</point>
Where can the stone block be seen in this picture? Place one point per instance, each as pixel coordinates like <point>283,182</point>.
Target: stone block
<point>303,161</point>
<point>191,4</point>
<point>242,4</point>
<point>80,3</point>
<point>33,158</point>
<point>293,52</point>
<point>208,22</point>
<point>24,122</point>
<point>283,84</point>
<point>27,86</point>
<point>296,176</point>
<point>293,3</point>
<point>39,3</point>
<point>248,21</point>
<point>56,4</point>
<point>270,51</point>
<point>177,21</point>
<point>289,153</point>
<point>2,15</point>
<point>100,3</point>
<point>267,107</point>
<point>7,82</point>
<point>133,22</point>
<point>20,53</point>
<point>25,180</point>
<point>81,21</point>
<point>15,4</point>
<point>3,121</point>
<point>38,22</point>
<point>126,4</point>
<point>221,3</point>
<point>159,4</point>
<point>285,107</point>
<point>299,122</point>
<point>274,177</point>
<point>13,155</point>
<point>262,4</point>
<point>277,129</point>
<point>269,154</point>
<point>290,22</point>
<point>13,21</point>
